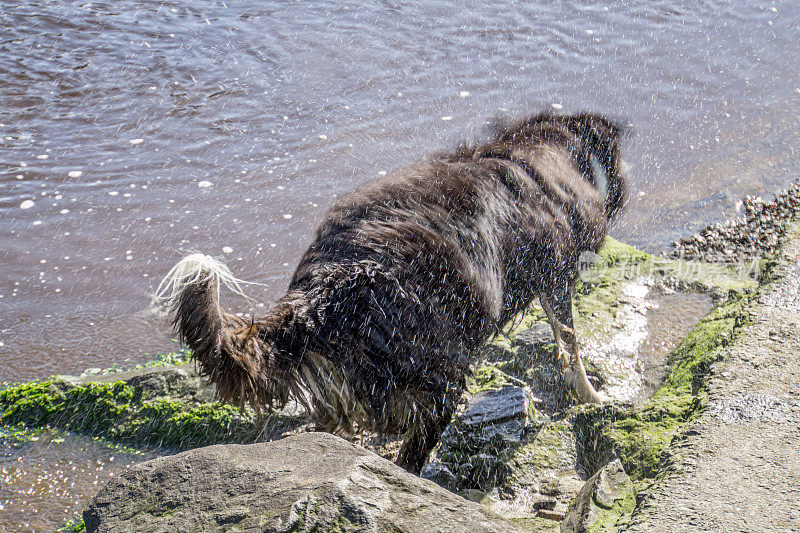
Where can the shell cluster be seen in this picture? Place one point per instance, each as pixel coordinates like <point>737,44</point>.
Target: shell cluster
<point>754,235</point>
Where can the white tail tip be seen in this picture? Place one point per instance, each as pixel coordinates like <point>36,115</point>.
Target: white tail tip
<point>195,268</point>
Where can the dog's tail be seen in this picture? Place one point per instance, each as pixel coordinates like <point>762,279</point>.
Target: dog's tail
<point>233,353</point>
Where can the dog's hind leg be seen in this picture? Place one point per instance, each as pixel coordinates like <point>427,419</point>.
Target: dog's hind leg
<point>422,437</point>
<point>559,313</point>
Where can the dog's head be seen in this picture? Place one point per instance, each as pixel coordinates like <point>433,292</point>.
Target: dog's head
<point>593,141</point>
<point>598,156</point>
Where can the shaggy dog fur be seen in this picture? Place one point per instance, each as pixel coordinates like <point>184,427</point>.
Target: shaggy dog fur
<point>409,275</point>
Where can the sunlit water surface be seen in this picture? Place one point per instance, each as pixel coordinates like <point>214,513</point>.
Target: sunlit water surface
<point>134,132</point>
<point>47,481</point>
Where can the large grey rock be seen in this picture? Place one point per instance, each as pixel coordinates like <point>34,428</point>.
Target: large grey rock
<point>308,482</point>
<point>474,446</point>
<point>493,406</point>
<point>604,499</point>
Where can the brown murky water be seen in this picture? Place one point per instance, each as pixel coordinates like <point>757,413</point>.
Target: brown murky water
<point>133,132</point>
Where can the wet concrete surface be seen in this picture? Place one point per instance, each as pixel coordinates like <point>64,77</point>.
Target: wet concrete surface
<point>739,467</point>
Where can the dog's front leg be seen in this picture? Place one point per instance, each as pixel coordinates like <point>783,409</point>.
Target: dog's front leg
<point>555,325</point>
<point>558,309</point>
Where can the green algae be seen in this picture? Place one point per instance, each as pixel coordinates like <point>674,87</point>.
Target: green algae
<point>608,519</point>
<point>160,359</point>
<point>75,525</point>
<point>598,291</point>
<point>18,435</point>
<point>622,261</point>
<point>160,403</point>
<point>537,525</point>
<point>488,377</point>
<point>549,449</point>
<point>641,437</point>
<point>117,411</point>
<point>179,357</point>
<point>615,252</point>
<point>596,434</point>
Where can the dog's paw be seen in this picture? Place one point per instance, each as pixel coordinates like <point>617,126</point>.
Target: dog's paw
<point>602,397</point>
<point>581,389</point>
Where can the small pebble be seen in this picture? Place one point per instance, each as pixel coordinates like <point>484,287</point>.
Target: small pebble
<point>26,204</point>
<point>134,142</point>
<point>204,184</point>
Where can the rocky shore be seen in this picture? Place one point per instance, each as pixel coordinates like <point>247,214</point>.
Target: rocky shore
<point>754,235</point>
<point>517,450</point>
<point>737,467</point>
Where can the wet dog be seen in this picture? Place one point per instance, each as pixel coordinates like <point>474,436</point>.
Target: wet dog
<point>409,275</point>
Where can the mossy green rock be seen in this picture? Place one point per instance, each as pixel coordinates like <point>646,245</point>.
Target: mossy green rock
<point>165,406</point>
<point>641,437</point>
<point>545,468</point>
<point>525,352</point>
<point>606,497</point>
